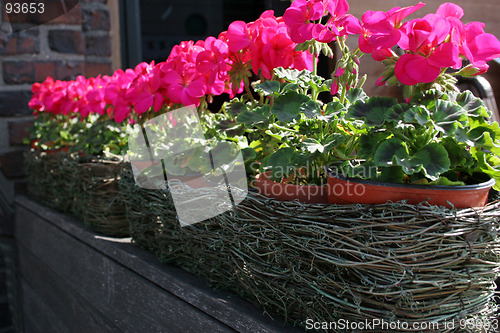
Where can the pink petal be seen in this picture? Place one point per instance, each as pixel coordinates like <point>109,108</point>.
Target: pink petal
<point>419,69</point>
<point>445,55</point>
<point>448,9</point>
<point>172,77</point>
<point>485,47</point>
<point>385,41</point>
<point>197,88</point>
<point>400,70</point>
<point>158,103</point>
<point>144,104</point>
<point>238,36</point>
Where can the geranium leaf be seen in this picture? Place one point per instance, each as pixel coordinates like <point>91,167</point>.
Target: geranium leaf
<point>310,109</point>
<point>388,150</point>
<point>268,88</point>
<point>417,114</point>
<point>257,116</point>
<point>490,165</point>
<point>289,87</point>
<point>432,159</point>
<point>446,182</point>
<point>373,111</point>
<point>392,174</point>
<point>368,143</point>
<point>313,145</point>
<point>356,94</point>
<point>237,107</point>
<point>458,154</point>
<point>426,96</point>
<point>281,162</point>
<point>292,75</point>
<point>447,116</point>
<point>287,107</point>
<point>472,105</point>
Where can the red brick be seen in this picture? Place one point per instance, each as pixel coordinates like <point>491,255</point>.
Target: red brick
<point>66,41</point>
<point>44,69</point>
<point>98,46</point>
<point>18,72</point>
<point>73,16</point>
<point>18,131</point>
<point>11,46</point>
<point>96,19</point>
<point>92,69</point>
<point>69,70</point>
<point>24,42</point>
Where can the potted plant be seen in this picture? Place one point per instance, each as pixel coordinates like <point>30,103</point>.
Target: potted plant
<point>293,123</point>
<point>294,134</point>
<point>439,144</point>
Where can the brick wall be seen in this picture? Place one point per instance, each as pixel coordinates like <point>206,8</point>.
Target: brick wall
<point>77,43</point>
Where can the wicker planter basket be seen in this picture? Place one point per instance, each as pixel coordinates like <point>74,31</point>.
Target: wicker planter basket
<point>101,206</point>
<point>87,188</point>
<point>391,262</point>
<point>52,179</point>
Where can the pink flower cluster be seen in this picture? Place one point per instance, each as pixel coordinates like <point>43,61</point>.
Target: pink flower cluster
<point>192,71</point>
<point>265,44</point>
<point>431,44</point>
<point>304,19</point>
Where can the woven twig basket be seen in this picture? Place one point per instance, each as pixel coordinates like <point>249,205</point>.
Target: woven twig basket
<point>87,188</point>
<point>393,262</point>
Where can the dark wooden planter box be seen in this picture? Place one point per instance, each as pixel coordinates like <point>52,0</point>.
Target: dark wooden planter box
<point>72,280</point>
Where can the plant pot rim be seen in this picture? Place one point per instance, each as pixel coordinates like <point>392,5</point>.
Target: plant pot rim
<point>479,186</point>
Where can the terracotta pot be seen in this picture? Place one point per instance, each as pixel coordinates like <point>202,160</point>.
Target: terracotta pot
<point>290,192</point>
<point>344,190</point>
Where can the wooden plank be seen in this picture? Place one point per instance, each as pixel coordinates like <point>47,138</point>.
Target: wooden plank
<point>226,307</point>
<point>38,317</point>
<point>71,309</point>
<point>127,299</point>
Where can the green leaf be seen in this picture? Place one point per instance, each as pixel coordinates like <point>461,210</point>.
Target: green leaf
<point>373,111</point>
<point>257,116</point>
<point>366,170</point>
<point>472,105</point>
<point>249,154</point>
<point>490,165</point>
<point>289,87</point>
<point>395,113</point>
<point>369,143</point>
<point>393,174</point>
<point>287,107</point>
<point>431,95</point>
<point>356,94</point>
<point>333,110</point>
<point>292,75</point>
<point>448,116</point>
<point>417,114</point>
<point>281,162</point>
<point>237,107</point>
<point>446,182</point>
<point>313,145</point>
<point>432,159</point>
<point>310,109</point>
<point>268,88</point>
<point>458,154</point>
<point>388,150</point>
